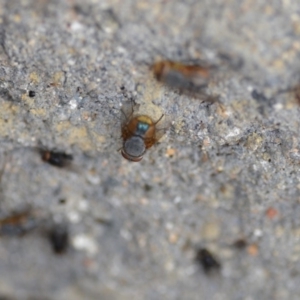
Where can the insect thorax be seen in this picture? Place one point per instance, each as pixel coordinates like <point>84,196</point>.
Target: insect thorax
<point>142,128</point>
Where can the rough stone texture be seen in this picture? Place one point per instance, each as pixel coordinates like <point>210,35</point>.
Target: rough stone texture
<point>221,173</point>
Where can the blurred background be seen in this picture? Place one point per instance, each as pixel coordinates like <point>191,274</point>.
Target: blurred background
<point>211,212</point>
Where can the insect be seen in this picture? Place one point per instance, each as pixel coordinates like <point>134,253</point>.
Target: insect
<point>293,93</point>
<point>57,159</point>
<point>208,262</point>
<point>296,93</point>
<point>59,238</point>
<point>188,79</point>
<point>240,244</point>
<point>139,133</point>
<point>31,94</point>
<point>18,223</point>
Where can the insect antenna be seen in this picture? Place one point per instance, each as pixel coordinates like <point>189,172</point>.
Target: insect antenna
<point>159,119</point>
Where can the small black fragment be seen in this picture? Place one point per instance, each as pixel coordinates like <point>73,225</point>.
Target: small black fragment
<point>207,260</point>
<point>147,187</point>
<point>57,159</point>
<point>258,96</point>
<point>59,238</point>
<point>31,94</point>
<point>240,244</point>
<point>62,201</point>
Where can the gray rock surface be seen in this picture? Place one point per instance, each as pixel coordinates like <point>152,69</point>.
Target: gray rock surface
<point>221,173</point>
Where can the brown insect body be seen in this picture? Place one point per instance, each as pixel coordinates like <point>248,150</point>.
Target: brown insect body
<point>139,134</point>
<point>162,68</point>
<point>186,78</point>
<point>57,159</point>
<point>18,223</point>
